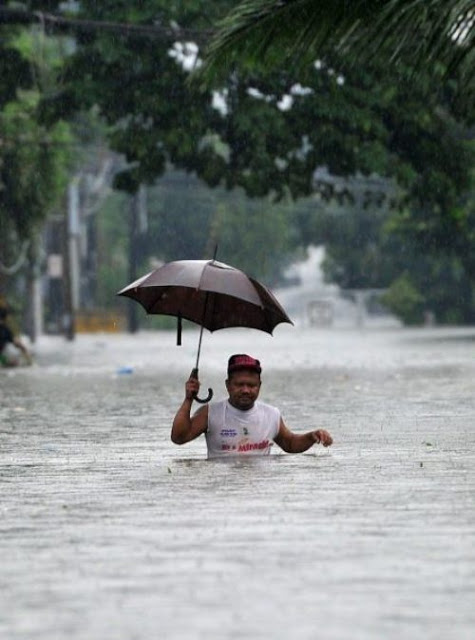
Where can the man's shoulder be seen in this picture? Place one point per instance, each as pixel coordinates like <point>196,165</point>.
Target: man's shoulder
<point>214,408</point>
<point>217,403</point>
<point>202,409</point>
<point>265,406</point>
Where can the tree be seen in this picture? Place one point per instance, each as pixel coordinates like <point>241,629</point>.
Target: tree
<point>34,159</point>
<point>186,220</point>
<point>267,33</point>
<point>277,133</point>
<point>33,156</point>
<point>342,118</point>
<point>366,248</point>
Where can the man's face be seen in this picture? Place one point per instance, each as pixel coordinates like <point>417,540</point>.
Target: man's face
<point>243,388</point>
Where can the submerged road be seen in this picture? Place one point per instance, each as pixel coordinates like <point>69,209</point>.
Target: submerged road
<point>108,530</point>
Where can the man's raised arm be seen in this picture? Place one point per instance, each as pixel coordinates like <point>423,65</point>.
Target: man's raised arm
<point>185,427</point>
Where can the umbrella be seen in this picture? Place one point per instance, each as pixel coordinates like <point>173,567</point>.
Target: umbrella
<point>212,294</point>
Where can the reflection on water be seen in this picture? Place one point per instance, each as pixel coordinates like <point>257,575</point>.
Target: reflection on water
<point>110,531</point>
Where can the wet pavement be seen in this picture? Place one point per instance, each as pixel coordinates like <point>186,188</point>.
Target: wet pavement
<point>108,530</point>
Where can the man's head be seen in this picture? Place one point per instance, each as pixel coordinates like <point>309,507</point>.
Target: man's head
<point>244,381</point>
<point>243,362</point>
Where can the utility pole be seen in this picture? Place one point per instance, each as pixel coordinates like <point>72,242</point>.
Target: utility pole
<point>132,319</point>
<point>35,305</point>
<point>137,228</point>
<point>71,262</point>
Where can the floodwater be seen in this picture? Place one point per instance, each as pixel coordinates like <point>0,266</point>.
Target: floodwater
<point>109,531</point>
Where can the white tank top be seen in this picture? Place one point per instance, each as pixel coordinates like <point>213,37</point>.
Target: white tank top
<point>233,432</point>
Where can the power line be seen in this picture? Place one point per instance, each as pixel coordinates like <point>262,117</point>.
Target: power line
<point>76,25</point>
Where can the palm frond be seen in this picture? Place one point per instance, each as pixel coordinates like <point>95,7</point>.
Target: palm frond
<point>433,31</point>
<point>267,33</point>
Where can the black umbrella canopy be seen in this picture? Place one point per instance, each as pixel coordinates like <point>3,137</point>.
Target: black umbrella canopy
<point>212,294</point>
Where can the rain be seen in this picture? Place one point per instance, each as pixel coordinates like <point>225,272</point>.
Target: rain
<point>313,171</point>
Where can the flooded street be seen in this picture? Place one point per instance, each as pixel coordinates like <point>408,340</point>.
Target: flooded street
<point>109,531</point>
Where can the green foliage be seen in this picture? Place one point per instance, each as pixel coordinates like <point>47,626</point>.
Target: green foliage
<point>112,249</point>
<point>344,118</point>
<point>365,248</point>
<point>34,157</point>
<point>254,236</point>
<point>180,213</point>
<point>33,168</point>
<point>405,301</point>
<point>347,119</point>
<point>436,36</point>
<point>186,220</point>
<point>15,72</point>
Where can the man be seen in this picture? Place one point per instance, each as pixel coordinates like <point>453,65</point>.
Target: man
<point>240,425</point>
<point>7,337</point>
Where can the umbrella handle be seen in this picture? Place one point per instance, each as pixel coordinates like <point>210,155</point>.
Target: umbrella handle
<point>194,374</point>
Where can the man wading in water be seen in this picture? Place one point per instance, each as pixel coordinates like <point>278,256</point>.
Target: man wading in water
<point>240,425</point>
<point>6,338</point>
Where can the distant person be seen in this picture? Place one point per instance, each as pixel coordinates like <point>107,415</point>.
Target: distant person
<point>240,425</point>
<point>6,338</point>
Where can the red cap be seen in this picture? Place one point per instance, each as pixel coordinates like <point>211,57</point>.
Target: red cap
<point>243,361</point>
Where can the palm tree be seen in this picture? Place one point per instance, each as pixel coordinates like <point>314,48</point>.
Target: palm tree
<point>266,33</point>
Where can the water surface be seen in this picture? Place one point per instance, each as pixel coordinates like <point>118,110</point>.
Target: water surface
<point>108,530</point>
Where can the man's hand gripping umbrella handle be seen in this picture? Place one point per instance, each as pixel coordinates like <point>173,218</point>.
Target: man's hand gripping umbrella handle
<point>194,374</point>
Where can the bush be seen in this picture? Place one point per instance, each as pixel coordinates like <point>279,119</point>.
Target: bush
<point>405,301</point>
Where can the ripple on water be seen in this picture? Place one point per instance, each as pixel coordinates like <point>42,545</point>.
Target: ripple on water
<point>110,531</point>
